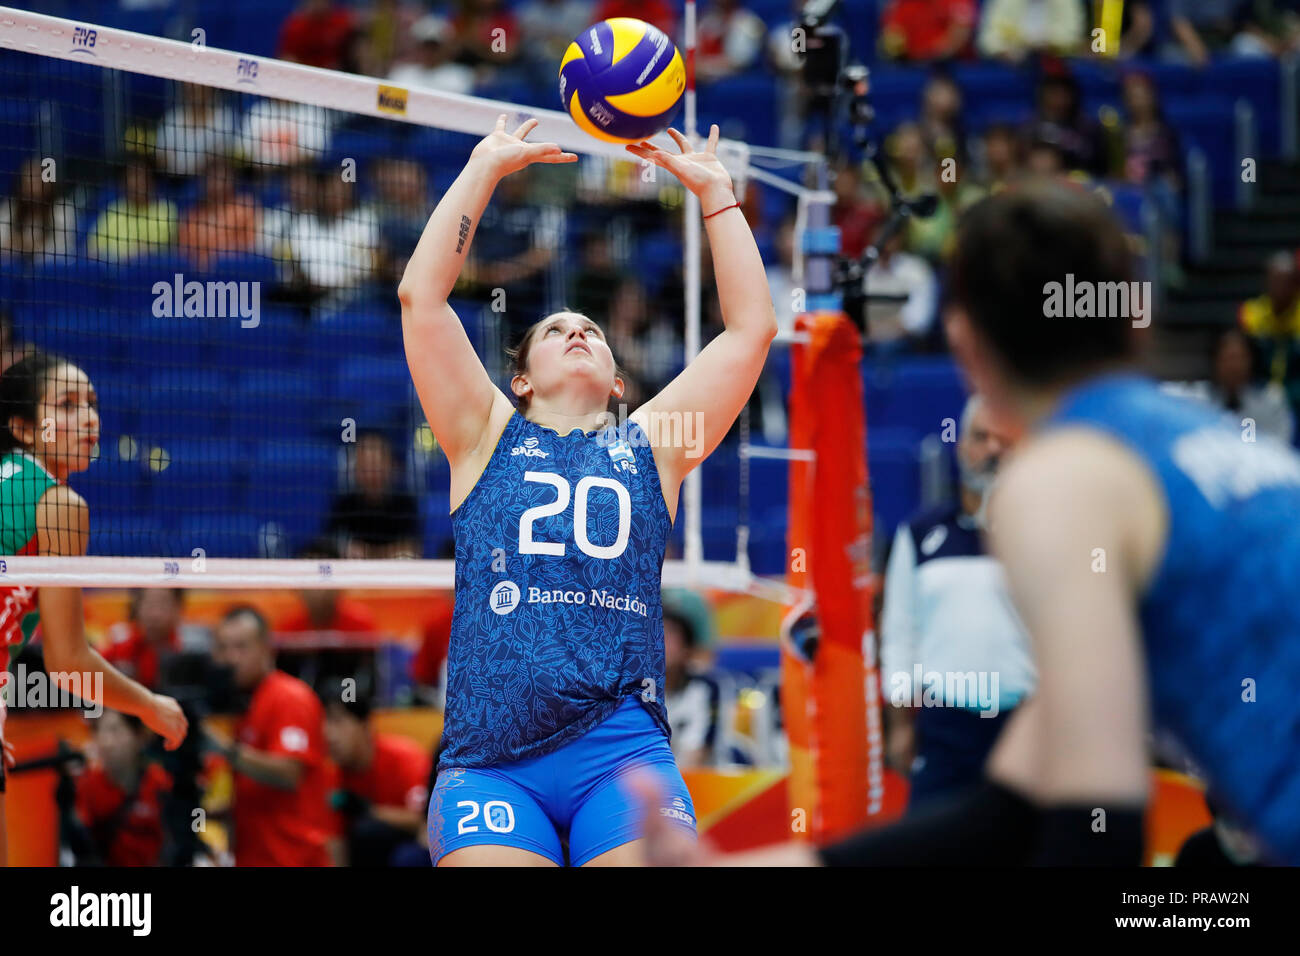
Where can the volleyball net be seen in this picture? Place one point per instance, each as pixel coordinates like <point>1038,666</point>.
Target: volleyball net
<point>216,240</point>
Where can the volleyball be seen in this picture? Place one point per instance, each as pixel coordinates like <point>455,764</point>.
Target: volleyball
<point>622,80</point>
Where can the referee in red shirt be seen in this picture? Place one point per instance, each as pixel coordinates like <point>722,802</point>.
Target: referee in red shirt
<point>384,782</point>
<point>282,777</point>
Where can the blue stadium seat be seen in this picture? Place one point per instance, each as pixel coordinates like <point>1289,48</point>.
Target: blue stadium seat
<point>86,336</point>
<point>373,390</point>
<point>916,394</point>
<point>292,484</point>
<point>127,537</point>
<point>895,476</point>
<point>184,404</point>
<point>199,476</point>
<point>113,488</point>
<point>274,404</point>
<point>228,535</point>
<point>278,341</point>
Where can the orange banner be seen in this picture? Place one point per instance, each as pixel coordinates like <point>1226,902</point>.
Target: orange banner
<point>824,702</point>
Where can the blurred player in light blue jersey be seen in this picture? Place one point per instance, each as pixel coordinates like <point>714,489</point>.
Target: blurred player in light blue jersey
<point>1152,551</point>
<point>555,678</point>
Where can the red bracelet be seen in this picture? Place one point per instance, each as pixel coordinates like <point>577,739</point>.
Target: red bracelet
<point>734,205</point>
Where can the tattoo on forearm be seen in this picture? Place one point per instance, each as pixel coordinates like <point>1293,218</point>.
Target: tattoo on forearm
<point>464,233</point>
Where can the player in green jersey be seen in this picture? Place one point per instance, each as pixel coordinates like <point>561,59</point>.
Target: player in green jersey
<point>49,424</point>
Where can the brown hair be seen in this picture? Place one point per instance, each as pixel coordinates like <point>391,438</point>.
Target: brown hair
<point>518,355</point>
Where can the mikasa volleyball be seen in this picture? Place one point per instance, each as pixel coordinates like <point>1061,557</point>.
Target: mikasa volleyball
<point>622,80</point>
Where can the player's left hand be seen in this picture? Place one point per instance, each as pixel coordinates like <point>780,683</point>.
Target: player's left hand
<point>665,843</point>
<point>700,171</point>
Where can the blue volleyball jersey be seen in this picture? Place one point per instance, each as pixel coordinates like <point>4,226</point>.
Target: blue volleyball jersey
<point>1221,617</point>
<point>559,550</point>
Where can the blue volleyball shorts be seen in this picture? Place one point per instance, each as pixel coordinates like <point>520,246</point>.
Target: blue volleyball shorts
<point>573,794</point>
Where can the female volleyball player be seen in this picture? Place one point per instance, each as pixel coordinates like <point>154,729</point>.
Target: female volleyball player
<point>555,675</point>
<point>48,426</point>
<point>1152,550</point>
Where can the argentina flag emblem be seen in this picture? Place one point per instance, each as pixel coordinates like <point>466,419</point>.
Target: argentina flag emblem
<point>620,452</point>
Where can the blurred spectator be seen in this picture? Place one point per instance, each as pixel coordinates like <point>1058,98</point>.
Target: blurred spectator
<point>659,12</point>
<point>856,216</point>
<point>333,251</point>
<point>376,519</point>
<point>1060,119</point>
<point>946,611</point>
<point>136,224</point>
<point>197,128</point>
<point>222,221</point>
<point>326,609</point>
<point>139,646</point>
<point>383,792</point>
<point>597,276</point>
<point>1273,26</point>
<point>1003,156</point>
<point>1273,321</point>
<point>1152,154</point>
<point>915,168</point>
<point>1203,28</point>
<point>403,212</point>
<point>433,64</point>
<point>514,248</point>
<point>1137,30</point>
<point>933,236</point>
<point>1234,387</point>
<point>1153,160</point>
<point>281,133</point>
<point>387,32</point>
<point>120,796</point>
<point>36,222</point>
<point>780,277</point>
<point>925,30</point>
<point>903,295</point>
<point>316,33</point>
<point>729,40</point>
<point>1045,157</point>
<point>300,199</point>
<point>278,754</point>
<point>649,351</point>
<point>940,120</point>
<point>547,27</point>
<point>1012,30</point>
<point>486,33</point>
<point>11,349</point>
<point>692,697</point>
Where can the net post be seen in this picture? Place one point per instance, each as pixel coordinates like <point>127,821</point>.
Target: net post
<point>693,550</point>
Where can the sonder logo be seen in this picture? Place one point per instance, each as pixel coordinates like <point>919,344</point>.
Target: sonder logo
<point>529,449</point>
<point>504,597</point>
<point>134,910</point>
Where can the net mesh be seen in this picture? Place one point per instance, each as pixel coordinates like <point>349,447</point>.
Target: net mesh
<point>223,265</point>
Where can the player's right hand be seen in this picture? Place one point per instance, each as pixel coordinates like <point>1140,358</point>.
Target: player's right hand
<point>503,153</point>
<point>167,720</point>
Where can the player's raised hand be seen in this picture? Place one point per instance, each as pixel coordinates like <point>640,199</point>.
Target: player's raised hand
<point>503,153</point>
<point>699,170</point>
